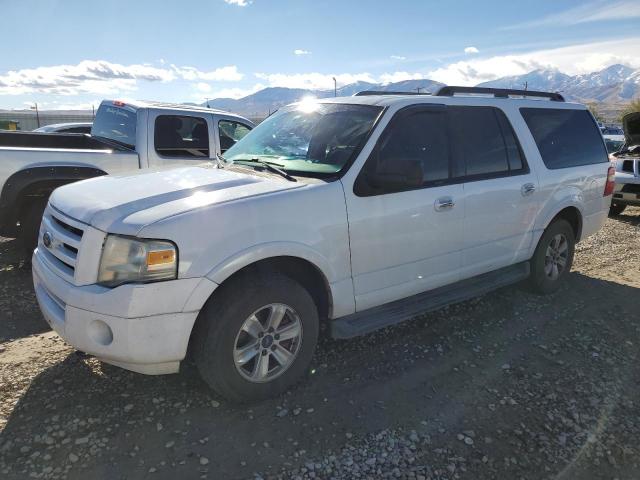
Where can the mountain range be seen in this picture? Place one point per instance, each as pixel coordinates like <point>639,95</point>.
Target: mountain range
<point>614,84</point>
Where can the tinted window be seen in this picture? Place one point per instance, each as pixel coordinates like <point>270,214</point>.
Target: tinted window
<point>483,142</point>
<point>116,123</point>
<point>181,136</point>
<point>230,133</point>
<point>565,138</point>
<point>411,153</point>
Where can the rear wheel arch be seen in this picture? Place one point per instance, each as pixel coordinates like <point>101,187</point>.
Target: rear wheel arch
<point>573,216</point>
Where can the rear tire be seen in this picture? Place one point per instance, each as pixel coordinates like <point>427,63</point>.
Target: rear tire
<point>30,225</point>
<point>616,209</point>
<point>233,339</point>
<point>553,257</point>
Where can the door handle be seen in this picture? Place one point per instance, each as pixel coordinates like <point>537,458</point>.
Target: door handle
<point>527,189</point>
<point>444,203</point>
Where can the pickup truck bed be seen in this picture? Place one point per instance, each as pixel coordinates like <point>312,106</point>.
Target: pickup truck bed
<point>74,141</point>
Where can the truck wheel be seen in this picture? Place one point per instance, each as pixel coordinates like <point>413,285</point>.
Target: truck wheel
<point>616,209</point>
<point>257,338</point>
<point>30,225</point>
<point>553,257</point>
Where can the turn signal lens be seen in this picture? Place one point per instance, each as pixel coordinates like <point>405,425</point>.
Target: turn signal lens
<point>160,258</point>
<point>611,181</point>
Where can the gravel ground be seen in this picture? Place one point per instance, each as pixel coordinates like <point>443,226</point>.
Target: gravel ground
<point>510,385</point>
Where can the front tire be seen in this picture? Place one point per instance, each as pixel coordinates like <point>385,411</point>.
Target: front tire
<point>553,257</point>
<point>616,209</point>
<point>257,338</point>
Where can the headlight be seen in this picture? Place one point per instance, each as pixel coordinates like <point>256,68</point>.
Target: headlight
<point>127,260</point>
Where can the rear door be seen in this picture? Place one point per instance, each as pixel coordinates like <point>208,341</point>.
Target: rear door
<point>179,139</point>
<point>501,198</point>
<point>406,211</point>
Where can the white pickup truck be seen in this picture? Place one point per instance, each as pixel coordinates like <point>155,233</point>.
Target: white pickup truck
<point>124,137</point>
<point>627,160</point>
<point>356,212</point>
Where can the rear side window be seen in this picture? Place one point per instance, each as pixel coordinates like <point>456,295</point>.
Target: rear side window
<point>565,138</point>
<point>483,142</point>
<point>181,136</point>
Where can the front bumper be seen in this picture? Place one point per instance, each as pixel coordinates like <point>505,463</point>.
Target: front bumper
<point>144,328</point>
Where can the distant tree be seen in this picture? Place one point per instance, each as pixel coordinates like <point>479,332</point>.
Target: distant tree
<point>594,108</point>
<point>633,106</point>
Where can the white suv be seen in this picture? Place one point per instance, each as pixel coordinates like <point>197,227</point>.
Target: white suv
<point>356,212</point>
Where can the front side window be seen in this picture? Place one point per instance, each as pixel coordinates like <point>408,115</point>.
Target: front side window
<point>483,142</point>
<point>309,138</point>
<point>565,138</point>
<point>230,133</point>
<point>413,152</point>
<point>181,136</point>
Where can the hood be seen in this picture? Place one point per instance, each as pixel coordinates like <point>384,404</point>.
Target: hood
<point>126,204</point>
<point>631,127</point>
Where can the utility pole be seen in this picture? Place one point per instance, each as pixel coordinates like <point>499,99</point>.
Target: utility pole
<point>37,113</point>
<point>417,89</point>
<point>526,85</point>
<point>207,99</point>
<point>93,111</point>
<point>335,87</point>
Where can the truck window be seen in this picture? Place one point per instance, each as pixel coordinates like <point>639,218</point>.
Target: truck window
<point>565,138</point>
<point>117,124</point>
<point>181,136</point>
<point>230,133</point>
<point>483,142</point>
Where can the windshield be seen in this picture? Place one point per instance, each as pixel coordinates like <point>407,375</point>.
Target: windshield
<point>116,123</point>
<point>309,138</point>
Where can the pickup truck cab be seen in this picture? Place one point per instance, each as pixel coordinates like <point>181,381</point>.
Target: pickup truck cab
<point>124,137</point>
<point>356,212</point>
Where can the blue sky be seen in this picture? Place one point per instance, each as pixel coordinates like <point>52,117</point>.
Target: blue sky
<point>68,53</point>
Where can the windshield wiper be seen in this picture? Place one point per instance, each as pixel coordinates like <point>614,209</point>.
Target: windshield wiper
<point>272,167</point>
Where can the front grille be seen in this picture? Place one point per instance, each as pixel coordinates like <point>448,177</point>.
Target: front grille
<point>630,188</point>
<point>63,238</point>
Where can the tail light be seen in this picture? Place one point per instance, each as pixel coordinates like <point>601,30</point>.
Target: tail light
<point>611,181</point>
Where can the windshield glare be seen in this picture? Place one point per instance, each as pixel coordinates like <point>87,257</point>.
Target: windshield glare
<point>313,138</point>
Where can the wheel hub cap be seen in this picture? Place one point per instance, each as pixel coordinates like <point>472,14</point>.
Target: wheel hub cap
<point>267,343</point>
<point>556,257</point>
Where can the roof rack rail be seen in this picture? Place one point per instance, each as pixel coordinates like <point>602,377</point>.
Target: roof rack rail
<point>450,91</point>
<point>367,93</point>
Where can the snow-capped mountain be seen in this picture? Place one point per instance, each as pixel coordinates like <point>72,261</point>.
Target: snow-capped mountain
<point>614,84</point>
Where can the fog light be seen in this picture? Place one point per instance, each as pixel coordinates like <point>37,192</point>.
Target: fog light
<point>100,332</point>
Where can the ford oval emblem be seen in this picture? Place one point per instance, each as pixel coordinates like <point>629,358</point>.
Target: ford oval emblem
<point>47,239</point>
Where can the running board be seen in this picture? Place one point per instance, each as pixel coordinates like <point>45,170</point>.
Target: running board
<point>367,321</point>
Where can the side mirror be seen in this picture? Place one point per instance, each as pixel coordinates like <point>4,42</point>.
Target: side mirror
<point>396,174</point>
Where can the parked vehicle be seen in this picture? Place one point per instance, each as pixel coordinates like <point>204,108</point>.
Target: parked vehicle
<point>124,137</point>
<point>356,212</point>
<point>613,142</point>
<point>78,127</point>
<point>627,160</point>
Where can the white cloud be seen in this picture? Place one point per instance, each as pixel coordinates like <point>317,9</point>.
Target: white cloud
<point>223,74</point>
<point>102,78</point>
<point>299,51</point>
<point>399,77</point>
<point>597,11</point>
<point>470,50</point>
<point>397,57</point>
<point>240,3</point>
<point>203,87</point>
<point>573,60</point>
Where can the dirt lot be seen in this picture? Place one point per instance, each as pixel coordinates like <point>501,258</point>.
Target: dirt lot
<point>507,386</point>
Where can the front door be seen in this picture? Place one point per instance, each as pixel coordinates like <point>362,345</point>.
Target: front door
<point>405,211</point>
